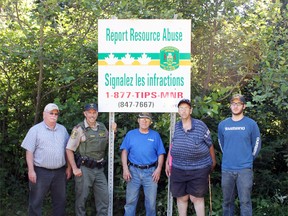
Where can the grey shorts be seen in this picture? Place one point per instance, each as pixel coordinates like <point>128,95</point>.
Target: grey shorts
<point>192,182</point>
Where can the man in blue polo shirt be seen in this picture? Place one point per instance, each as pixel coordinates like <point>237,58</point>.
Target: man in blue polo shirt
<point>239,139</point>
<point>142,159</point>
<point>193,158</point>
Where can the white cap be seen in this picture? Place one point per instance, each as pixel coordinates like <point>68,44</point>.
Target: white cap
<point>51,106</point>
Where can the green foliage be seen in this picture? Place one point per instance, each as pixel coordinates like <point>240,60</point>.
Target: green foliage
<point>48,53</point>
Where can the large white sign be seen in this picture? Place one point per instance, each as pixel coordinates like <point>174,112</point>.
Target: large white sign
<point>144,65</point>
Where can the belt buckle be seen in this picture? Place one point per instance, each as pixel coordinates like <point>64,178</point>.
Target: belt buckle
<point>143,166</point>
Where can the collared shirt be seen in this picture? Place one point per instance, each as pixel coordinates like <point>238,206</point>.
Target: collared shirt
<point>47,145</point>
<point>190,150</point>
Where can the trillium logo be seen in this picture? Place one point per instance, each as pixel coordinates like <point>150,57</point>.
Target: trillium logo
<point>169,58</point>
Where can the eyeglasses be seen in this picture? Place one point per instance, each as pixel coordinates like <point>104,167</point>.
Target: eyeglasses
<point>237,104</point>
<point>144,119</point>
<point>183,108</point>
<point>56,114</point>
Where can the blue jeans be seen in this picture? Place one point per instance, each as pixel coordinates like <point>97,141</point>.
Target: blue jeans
<point>141,177</point>
<point>243,180</point>
<point>48,180</point>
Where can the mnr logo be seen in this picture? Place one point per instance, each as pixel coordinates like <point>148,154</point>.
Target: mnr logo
<point>169,58</point>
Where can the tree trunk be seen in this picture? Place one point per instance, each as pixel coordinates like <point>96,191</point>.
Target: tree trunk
<point>41,73</point>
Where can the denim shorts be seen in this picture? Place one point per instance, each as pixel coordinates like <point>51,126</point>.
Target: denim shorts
<point>192,182</point>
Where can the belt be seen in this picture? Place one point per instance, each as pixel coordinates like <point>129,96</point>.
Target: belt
<point>50,169</point>
<point>88,162</point>
<point>143,166</point>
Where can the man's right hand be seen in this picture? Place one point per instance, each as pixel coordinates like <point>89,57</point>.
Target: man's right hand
<point>126,175</point>
<point>32,176</point>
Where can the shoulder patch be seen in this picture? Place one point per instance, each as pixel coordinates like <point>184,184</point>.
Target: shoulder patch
<point>74,134</point>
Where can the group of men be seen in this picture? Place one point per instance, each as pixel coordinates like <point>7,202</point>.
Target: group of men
<point>52,156</point>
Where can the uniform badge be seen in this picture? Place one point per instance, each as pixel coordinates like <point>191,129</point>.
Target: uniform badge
<point>74,134</point>
<point>101,134</point>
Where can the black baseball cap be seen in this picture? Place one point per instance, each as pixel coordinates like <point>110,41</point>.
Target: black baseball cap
<point>91,106</point>
<point>186,101</point>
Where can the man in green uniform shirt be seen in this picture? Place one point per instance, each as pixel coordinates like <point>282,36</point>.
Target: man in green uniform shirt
<point>85,152</point>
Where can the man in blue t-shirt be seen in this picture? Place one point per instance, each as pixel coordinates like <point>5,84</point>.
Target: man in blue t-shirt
<point>142,159</point>
<point>240,143</point>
